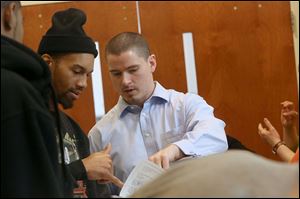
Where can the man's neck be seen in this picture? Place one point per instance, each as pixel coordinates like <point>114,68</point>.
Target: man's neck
<point>149,96</point>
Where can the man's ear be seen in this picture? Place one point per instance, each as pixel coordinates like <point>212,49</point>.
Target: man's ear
<point>49,60</point>
<point>152,62</point>
<point>9,17</point>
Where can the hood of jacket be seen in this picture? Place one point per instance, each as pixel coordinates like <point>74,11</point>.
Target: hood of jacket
<point>19,59</point>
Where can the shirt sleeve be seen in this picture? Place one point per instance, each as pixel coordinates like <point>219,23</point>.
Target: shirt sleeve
<point>95,139</point>
<point>205,133</point>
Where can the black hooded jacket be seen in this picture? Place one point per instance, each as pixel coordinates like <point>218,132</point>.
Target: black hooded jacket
<point>31,160</point>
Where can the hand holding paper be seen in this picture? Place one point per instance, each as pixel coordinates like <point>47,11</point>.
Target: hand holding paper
<point>166,155</point>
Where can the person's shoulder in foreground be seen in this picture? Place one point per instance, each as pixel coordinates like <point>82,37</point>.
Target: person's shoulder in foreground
<point>231,174</point>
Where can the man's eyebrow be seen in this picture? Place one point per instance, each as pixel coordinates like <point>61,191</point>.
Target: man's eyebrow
<point>79,66</point>
<point>82,68</point>
<point>129,68</point>
<point>113,70</point>
<point>133,66</point>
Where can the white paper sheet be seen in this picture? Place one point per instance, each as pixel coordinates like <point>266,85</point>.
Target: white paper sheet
<point>143,173</point>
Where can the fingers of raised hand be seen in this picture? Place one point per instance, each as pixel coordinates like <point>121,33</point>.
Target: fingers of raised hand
<point>287,104</point>
<point>269,125</point>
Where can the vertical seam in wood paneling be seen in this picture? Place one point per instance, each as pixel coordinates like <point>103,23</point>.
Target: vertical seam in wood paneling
<point>138,16</point>
<point>295,27</point>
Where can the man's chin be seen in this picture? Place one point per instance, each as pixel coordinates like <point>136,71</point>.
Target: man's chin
<point>132,101</point>
<point>66,104</point>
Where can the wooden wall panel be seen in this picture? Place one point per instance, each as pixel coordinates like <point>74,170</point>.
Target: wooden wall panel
<point>104,20</point>
<point>243,50</point>
<point>244,58</point>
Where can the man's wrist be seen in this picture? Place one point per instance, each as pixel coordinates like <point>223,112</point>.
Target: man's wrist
<point>289,129</point>
<point>178,152</point>
<point>276,146</point>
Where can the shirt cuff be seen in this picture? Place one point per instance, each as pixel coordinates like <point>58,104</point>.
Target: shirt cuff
<point>186,147</point>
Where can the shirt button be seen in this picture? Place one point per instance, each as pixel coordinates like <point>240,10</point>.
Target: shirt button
<point>147,134</point>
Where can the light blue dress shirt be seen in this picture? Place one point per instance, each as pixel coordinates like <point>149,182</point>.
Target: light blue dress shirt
<point>168,117</point>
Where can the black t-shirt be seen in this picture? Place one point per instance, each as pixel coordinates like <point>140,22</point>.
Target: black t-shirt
<point>76,147</point>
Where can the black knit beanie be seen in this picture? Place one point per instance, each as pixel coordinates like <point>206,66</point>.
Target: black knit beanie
<point>67,35</point>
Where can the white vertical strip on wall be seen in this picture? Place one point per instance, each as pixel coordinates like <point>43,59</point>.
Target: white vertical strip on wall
<point>98,87</point>
<point>138,16</point>
<point>190,66</point>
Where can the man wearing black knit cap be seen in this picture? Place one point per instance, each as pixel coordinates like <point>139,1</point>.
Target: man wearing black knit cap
<point>70,54</point>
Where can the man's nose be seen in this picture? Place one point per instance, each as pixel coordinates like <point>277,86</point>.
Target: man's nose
<point>82,82</point>
<point>126,79</point>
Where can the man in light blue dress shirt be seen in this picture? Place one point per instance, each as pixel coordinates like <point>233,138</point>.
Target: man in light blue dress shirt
<point>149,121</point>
